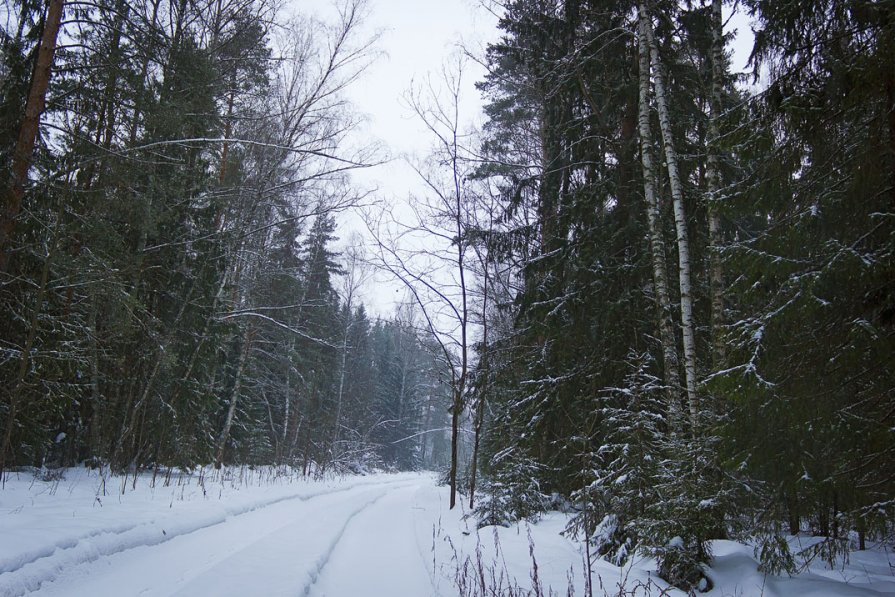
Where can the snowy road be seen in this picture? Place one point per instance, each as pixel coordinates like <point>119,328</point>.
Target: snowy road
<point>264,532</point>
<point>364,539</point>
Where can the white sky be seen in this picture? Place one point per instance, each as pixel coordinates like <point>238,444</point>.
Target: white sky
<point>416,38</point>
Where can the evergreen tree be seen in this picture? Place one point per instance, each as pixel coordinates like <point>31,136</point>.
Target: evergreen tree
<point>813,339</point>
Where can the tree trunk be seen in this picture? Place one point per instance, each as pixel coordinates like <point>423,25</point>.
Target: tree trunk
<point>713,163</point>
<point>97,412</point>
<point>792,515</point>
<point>225,152</point>
<point>105,123</point>
<point>129,424</point>
<point>18,389</point>
<point>680,221</point>
<point>657,240</point>
<point>483,367</point>
<point>34,107</point>
<point>425,452</point>
<point>890,100</point>
<point>340,395</point>
<point>460,388</point>
<point>473,465</point>
<point>455,442</point>
<point>234,397</point>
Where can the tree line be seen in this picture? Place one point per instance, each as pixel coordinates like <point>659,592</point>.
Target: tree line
<point>692,292</point>
<point>170,287</point>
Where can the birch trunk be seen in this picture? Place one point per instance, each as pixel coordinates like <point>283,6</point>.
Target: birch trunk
<point>337,427</point>
<point>234,397</point>
<point>657,240</point>
<point>713,175</point>
<point>680,220</point>
<point>203,336</point>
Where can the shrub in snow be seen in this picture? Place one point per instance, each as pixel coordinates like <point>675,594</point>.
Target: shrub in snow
<point>774,555</point>
<point>512,491</point>
<point>650,485</point>
<point>622,468</point>
<point>49,474</point>
<point>681,562</point>
<point>831,550</point>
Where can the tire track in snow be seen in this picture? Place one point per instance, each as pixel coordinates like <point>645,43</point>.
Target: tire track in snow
<point>289,560</point>
<point>26,573</point>
<point>327,554</point>
<point>379,553</point>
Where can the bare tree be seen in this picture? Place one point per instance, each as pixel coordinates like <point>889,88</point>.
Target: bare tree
<point>302,157</point>
<point>429,252</point>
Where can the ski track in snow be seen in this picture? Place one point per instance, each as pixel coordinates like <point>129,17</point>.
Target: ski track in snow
<point>31,571</point>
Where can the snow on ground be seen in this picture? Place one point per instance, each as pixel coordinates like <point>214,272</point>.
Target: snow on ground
<point>245,532</point>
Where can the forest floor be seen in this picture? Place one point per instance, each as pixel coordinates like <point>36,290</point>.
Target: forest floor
<point>256,532</point>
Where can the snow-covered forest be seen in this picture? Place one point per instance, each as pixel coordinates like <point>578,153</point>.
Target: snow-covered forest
<point>171,282</point>
<point>649,293</point>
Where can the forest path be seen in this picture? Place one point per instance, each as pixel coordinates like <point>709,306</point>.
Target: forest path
<point>360,540</point>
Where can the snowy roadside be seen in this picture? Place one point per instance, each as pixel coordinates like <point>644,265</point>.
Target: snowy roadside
<point>537,560</point>
<point>254,532</point>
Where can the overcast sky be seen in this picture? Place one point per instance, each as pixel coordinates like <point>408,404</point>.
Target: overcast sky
<point>416,39</point>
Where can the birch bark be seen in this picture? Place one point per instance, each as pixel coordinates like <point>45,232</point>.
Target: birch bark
<point>657,240</point>
<point>247,338</point>
<point>680,220</point>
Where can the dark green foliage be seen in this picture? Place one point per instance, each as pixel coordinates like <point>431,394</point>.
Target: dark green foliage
<point>513,491</point>
<point>814,337</point>
<point>171,299</point>
<point>795,428</point>
<point>773,552</point>
<point>624,459</point>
